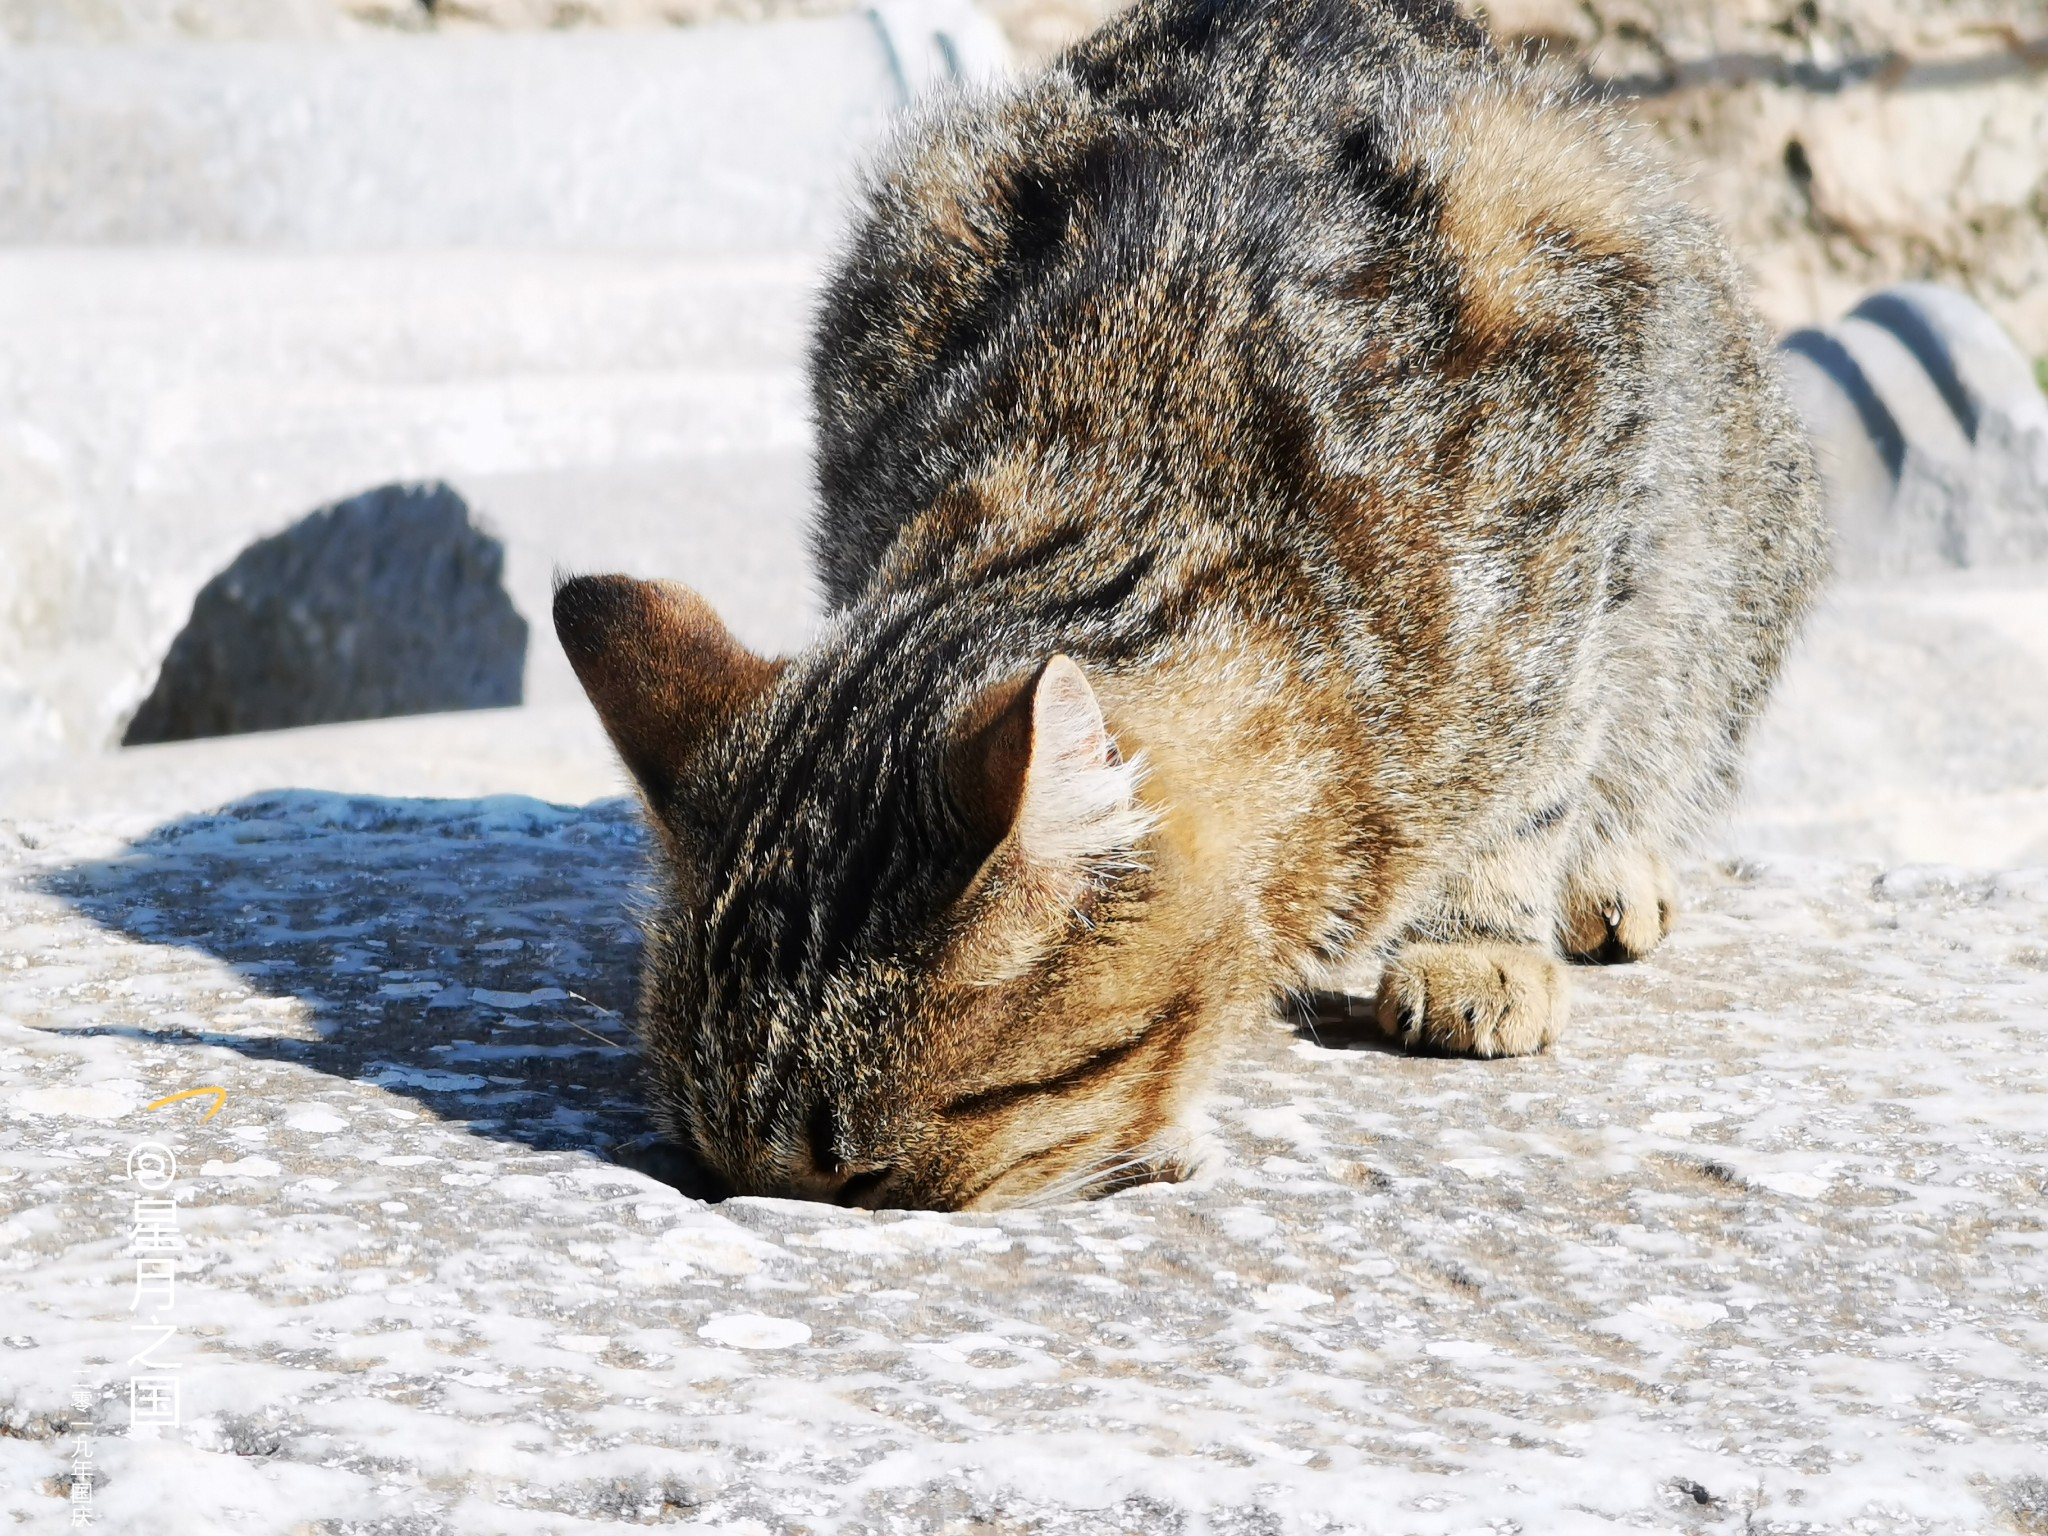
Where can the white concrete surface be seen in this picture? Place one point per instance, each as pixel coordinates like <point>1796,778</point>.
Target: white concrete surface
<point>1911,725</point>
<point>1757,1248</point>
<point>568,273</point>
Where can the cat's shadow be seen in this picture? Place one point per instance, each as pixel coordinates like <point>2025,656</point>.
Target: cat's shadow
<point>1338,1021</point>
<point>474,956</point>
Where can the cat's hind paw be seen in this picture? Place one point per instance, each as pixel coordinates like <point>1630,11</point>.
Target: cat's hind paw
<point>1618,909</point>
<point>1473,999</point>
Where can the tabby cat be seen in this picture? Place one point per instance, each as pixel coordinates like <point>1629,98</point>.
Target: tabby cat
<point>1304,506</point>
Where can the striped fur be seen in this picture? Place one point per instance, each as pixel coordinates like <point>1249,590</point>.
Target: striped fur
<point>1303,505</point>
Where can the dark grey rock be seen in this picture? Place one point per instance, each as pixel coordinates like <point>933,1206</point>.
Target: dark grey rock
<point>389,603</point>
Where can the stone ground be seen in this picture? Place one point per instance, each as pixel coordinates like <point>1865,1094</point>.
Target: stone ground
<point>1759,1247</point>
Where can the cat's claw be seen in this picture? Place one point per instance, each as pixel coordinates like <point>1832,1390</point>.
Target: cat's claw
<point>1619,909</point>
<point>1473,999</point>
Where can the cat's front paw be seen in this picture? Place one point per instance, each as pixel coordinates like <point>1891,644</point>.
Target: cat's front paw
<point>1618,909</point>
<point>1473,999</point>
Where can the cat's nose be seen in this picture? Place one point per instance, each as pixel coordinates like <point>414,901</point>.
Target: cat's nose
<point>854,1186</point>
<point>842,1186</point>
<point>839,1180</point>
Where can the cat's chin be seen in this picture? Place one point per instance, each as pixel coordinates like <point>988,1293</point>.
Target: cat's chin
<point>1178,1158</point>
<point>671,1163</point>
<point>1185,1158</point>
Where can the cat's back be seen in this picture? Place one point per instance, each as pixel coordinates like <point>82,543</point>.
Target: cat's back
<point>1257,252</point>
<point>1213,224</point>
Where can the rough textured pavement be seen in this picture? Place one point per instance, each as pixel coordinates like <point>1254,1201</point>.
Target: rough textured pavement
<point>1759,1248</point>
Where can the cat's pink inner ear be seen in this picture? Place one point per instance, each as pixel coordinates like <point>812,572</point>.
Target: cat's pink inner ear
<point>661,670</point>
<point>1023,748</point>
<point>1041,782</point>
<point>1080,812</point>
<point>1067,731</point>
<point>1077,796</point>
<point>989,758</point>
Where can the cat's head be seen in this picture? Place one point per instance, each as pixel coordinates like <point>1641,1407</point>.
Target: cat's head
<point>900,952</point>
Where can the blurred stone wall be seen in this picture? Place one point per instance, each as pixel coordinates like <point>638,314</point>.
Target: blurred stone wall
<point>1845,146</point>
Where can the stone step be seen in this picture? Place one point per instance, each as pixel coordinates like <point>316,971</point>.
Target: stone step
<point>721,138</point>
<point>169,373</point>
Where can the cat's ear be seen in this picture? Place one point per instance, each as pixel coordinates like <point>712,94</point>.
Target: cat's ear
<point>660,668</point>
<point>1040,784</point>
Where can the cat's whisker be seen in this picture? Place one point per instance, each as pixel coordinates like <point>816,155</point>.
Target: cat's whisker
<point>1093,1177</point>
<point>597,1008</point>
<point>1059,1191</point>
<point>610,1045</point>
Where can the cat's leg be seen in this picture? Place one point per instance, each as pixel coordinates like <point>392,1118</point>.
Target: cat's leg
<point>1479,973</point>
<point>1664,767</point>
<point>1689,651</point>
<point>1619,902</point>
<point>1473,998</point>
